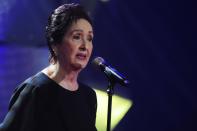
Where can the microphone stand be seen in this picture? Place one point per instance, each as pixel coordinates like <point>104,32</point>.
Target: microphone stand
<point>110,92</point>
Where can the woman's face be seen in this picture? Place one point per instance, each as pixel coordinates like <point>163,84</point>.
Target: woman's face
<point>76,47</point>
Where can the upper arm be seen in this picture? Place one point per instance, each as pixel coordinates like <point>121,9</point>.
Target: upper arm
<point>17,105</point>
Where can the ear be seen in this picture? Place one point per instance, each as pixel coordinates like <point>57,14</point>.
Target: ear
<point>55,49</point>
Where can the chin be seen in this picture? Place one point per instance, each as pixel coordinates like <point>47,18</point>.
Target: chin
<point>79,63</point>
<point>79,66</point>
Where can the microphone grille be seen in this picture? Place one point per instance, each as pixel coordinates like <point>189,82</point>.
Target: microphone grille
<point>98,61</point>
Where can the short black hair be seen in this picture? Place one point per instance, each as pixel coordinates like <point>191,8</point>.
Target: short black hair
<point>60,21</point>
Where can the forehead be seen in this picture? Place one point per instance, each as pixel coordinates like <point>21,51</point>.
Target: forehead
<point>81,25</point>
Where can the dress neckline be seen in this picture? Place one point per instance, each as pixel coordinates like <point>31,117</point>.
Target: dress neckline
<point>56,84</point>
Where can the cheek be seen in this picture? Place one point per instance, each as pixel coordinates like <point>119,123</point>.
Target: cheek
<point>90,48</point>
<point>65,53</point>
<point>69,49</point>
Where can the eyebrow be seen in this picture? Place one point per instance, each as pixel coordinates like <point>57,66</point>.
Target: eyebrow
<point>80,30</point>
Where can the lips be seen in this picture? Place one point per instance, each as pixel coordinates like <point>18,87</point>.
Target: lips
<point>81,56</point>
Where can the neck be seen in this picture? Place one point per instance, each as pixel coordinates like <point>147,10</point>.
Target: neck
<point>64,76</point>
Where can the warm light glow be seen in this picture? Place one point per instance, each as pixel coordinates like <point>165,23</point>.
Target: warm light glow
<point>120,106</point>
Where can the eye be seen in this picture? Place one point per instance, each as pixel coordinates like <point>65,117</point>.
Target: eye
<point>90,38</point>
<point>77,36</point>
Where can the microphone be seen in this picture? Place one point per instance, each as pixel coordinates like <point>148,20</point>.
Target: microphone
<point>110,72</point>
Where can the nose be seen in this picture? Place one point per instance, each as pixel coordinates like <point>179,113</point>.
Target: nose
<point>83,46</point>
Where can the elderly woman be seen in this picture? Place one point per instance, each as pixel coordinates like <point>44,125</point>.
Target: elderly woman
<point>53,99</point>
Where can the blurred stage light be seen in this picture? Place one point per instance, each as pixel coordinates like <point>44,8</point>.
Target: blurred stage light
<point>104,0</point>
<point>120,107</point>
<point>5,6</point>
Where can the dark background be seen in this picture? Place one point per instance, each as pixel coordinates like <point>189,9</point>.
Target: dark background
<point>152,42</point>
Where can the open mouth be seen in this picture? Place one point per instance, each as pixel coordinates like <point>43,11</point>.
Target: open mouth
<point>81,56</point>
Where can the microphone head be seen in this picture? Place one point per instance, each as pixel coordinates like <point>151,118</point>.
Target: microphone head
<point>112,74</point>
<point>98,61</point>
